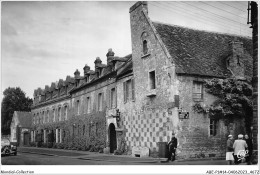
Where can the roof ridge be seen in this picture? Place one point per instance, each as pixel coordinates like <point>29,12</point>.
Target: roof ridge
<point>200,30</point>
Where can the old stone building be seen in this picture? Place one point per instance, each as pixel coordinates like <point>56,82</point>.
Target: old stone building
<point>169,66</point>
<point>135,102</point>
<point>71,114</point>
<point>20,128</point>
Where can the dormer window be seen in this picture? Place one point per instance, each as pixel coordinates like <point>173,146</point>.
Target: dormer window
<point>98,74</point>
<point>145,48</point>
<point>87,79</point>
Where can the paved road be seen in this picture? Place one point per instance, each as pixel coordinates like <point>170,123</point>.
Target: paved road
<point>36,159</point>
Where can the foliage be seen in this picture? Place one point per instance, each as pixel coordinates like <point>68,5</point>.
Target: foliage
<point>234,99</point>
<point>93,139</point>
<point>14,100</point>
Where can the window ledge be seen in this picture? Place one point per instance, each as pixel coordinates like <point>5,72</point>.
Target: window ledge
<point>151,93</point>
<point>146,55</point>
<point>197,99</point>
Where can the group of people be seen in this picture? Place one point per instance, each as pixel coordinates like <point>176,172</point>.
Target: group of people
<point>239,150</point>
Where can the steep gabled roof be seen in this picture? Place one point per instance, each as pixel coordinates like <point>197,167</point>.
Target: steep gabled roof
<point>24,118</point>
<point>198,52</point>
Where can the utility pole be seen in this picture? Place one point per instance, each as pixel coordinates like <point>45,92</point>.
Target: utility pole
<point>253,20</point>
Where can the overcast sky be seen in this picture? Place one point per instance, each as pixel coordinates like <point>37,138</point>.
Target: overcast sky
<point>42,42</point>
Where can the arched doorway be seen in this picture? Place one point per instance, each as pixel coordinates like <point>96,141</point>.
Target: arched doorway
<point>112,138</point>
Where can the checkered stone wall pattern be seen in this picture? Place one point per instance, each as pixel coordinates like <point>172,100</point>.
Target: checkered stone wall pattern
<point>148,129</point>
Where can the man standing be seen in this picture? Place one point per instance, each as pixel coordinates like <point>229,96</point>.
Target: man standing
<point>250,149</point>
<point>172,145</point>
<point>240,147</point>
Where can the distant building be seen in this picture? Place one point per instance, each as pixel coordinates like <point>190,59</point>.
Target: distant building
<point>137,101</point>
<point>20,128</point>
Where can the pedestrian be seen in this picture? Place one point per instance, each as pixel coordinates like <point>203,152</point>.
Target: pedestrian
<point>230,150</point>
<point>249,149</point>
<point>240,147</point>
<point>172,145</point>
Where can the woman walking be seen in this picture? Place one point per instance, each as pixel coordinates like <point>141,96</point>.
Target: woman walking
<point>230,150</point>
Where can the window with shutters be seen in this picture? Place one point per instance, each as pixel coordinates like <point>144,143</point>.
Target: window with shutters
<point>129,90</point>
<point>197,91</point>
<point>100,102</point>
<point>113,98</point>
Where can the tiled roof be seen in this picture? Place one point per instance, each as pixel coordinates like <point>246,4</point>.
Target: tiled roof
<point>125,67</point>
<point>199,52</point>
<point>25,118</point>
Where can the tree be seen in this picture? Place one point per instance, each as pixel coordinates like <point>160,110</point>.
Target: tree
<point>234,100</point>
<point>14,100</point>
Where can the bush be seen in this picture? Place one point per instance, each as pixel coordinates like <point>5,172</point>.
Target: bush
<point>32,144</point>
<point>54,145</point>
<point>44,145</point>
<point>39,144</point>
<point>118,152</point>
<point>50,145</point>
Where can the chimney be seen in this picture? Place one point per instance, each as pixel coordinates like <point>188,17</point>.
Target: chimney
<point>77,74</point>
<point>86,68</point>
<point>97,62</point>
<point>110,55</point>
<point>235,62</point>
<point>236,47</point>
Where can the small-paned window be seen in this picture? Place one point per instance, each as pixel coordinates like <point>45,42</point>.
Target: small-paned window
<point>129,90</point>
<point>213,127</point>
<point>197,90</point>
<point>152,83</point>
